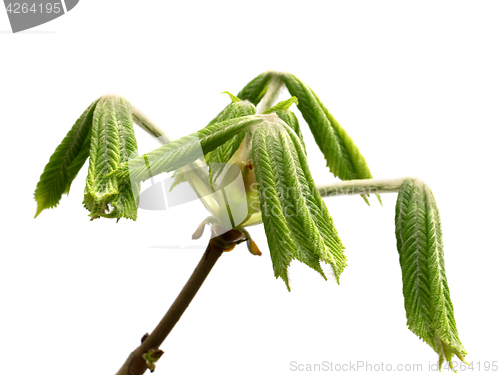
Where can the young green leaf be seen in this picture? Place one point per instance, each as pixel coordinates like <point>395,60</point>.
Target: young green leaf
<point>285,104</point>
<point>255,90</point>
<point>112,143</point>
<point>234,99</point>
<point>291,120</point>
<point>296,221</point>
<point>234,109</point>
<point>218,158</point>
<point>185,150</point>
<point>333,254</point>
<point>342,155</point>
<point>65,162</point>
<point>429,310</point>
<point>284,113</point>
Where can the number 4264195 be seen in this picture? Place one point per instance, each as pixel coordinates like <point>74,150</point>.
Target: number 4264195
<point>19,8</point>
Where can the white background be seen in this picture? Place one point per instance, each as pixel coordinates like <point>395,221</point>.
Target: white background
<point>415,84</point>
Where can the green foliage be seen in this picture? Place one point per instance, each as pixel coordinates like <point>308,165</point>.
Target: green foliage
<point>234,99</point>
<point>270,153</point>
<point>343,157</point>
<point>217,158</point>
<point>237,108</point>
<point>185,150</point>
<point>296,220</point>
<point>291,120</point>
<point>284,113</point>
<point>65,162</point>
<point>429,310</point>
<point>255,90</point>
<point>285,104</point>
<point>112,143</point>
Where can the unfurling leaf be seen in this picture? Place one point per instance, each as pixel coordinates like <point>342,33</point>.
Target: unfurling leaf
<point>185,150</point>
<point>218,158</point>
<point>112,143</point>
<point>285,104</point>
<point>234,99</point>
<point>342,155</point>
<point>233,110</point>
<point>429,310</point>
<point>296,220</point>
<point>65,162</point>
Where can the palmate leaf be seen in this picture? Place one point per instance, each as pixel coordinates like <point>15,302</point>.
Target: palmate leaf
<point>65,162</point>
<point>429,310</point>
<point>185,150</point>
<point>342,155</point>
<point>112,143</point>
<point>296,220</point>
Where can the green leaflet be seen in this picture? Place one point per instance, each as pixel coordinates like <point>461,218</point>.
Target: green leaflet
<point>285,104</point>
<point>296,221</point>
<point>342,155</point>
<point>65,162</point>
<point>185,150</point>
<point>112,143</point>
<point>218,158</point>
<point>291,120</point>
<point>284,113</point>
<point>234,99</point>
<point>255,90</point>
<point>235,109</point>
<point>429,310</point>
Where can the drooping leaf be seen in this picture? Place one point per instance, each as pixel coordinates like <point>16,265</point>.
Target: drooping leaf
<point>429,310</point>
<point>333,254</point>
<point>185,150</point>
<point>255,90</point>
<point>296,221</point>
<point>65,162</point>
<point>343,157</point>
<point>291,120</point>
<point>112,143</point>
<point>77,164</point>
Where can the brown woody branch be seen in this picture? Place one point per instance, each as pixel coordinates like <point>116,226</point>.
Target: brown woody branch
<point>135,363</point>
